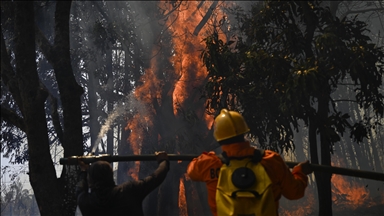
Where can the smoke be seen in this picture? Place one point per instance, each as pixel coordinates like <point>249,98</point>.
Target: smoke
<point>128,105</point>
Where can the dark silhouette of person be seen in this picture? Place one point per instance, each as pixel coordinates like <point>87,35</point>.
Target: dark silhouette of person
<point>97,193</point>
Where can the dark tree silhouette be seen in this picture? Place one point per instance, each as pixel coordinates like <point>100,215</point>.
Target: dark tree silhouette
<point>288,60</point>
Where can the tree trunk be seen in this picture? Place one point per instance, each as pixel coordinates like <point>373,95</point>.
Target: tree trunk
<point>42,173</point>
<point>70,90</point>
<point>169,192</point>
<point>92,104</point>
<point>109,90</point>
<point>324,179</point>
<point>70,96</point>
<point>124,148</point>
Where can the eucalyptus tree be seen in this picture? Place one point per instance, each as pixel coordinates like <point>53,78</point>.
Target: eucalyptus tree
<point>167,124</point>
<point>104,39</point>
<point>21,41</point>
<point>289,59</point>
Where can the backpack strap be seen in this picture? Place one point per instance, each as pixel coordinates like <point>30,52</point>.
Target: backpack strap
<point>256,158</point>
<point>257,155</point>
<point>224,158</point>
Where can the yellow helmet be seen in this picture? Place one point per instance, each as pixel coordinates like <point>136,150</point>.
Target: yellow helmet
<point>229,124</point>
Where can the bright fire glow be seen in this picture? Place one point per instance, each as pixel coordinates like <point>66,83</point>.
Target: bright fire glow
<point>187,63</point>
<point>135,139</point>
<point>182,200</point>
<point>187,47</point>
<point>188,67</point>
<point>349,193</point>
<point>133,172</point>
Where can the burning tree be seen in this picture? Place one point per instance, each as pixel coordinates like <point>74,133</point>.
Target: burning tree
<point>170,90</point>
<point>154,57</point>
<point>288,60</point>
<point>169,95</point>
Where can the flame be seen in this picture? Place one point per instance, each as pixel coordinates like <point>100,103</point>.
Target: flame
<point>146,93</point>
<point>133,172</point>
<point>209,119</point>
<point>349,193</point>
<point>186,176</point>
<point>187,63</point>
<point>135,139</point>
<point>187,47</point>
<point>188,67</point>
<point>182,200</point>
<point>150,89</point>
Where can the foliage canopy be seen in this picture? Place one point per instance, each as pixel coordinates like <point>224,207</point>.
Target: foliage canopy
<point>287,56</point>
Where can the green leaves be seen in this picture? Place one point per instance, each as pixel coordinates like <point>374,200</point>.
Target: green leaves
<point>286,63</point>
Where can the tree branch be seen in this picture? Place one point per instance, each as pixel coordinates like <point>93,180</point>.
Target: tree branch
<point>8,74</point>
<point>56,119</point>
<point>344,100</point>
<point>334,5</point>
<point>311,24</point>
<point>44,45</point>
<point>360,11</point>
<point>205,18</point>
<point>13,118</point>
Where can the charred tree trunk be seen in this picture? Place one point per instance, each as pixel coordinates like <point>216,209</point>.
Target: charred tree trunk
<point>193,204</point>
<point>196,197</point>
<point>164,199</point>
<point>205,18</point>
<point>146,168</point>
<point>169,192</point>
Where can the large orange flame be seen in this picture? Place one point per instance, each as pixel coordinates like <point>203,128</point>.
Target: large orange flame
<point>135,139</point>
<point>146,93</point>
<point>187,47</point>
<point>186,60</point>
<point>188,68</point>
<point>349,193</point>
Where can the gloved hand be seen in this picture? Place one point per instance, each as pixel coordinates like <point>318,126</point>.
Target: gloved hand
<point>161,155</point>
<point>83,166</point>
<point>305,167</point>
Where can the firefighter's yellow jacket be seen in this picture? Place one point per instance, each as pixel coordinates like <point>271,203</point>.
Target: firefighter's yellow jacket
<point>206,168</point>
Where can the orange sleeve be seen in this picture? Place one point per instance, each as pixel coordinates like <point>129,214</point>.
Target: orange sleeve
<point>289,184</point>
<point>205,167</point>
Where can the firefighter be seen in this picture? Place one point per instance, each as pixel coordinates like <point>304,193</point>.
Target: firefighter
<point>229,130</point>
<point>99,195</point>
